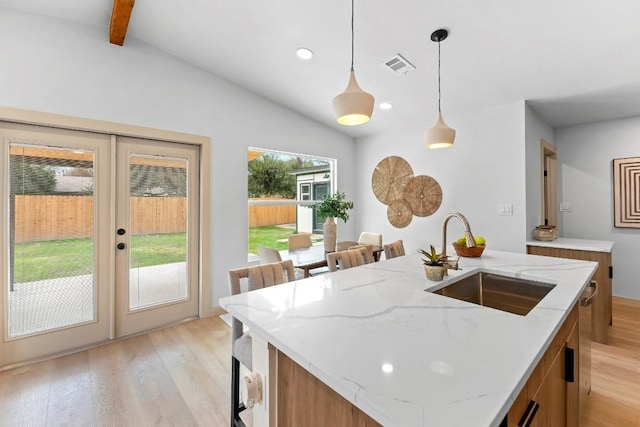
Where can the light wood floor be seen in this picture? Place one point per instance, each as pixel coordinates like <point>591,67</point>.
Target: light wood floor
<point>615,371</point>
<point>180,376</point>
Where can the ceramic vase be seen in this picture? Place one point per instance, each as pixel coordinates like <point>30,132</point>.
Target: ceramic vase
<point>435,273</point>
<point>330,232</point>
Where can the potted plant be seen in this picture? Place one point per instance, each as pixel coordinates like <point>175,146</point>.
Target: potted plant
<point>434,264</point>
<point>331,207</point>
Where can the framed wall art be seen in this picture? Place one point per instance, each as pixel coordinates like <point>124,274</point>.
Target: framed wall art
<point>626,192</point>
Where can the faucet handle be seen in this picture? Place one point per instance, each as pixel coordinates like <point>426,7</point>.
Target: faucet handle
<point>452,265</point>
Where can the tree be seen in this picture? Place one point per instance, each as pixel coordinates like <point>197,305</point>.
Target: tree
<point>269,175</point>
<point>31,179</point>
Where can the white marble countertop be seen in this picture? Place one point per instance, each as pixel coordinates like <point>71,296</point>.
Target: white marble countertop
<point>578,244</point>
<point>452,363</point>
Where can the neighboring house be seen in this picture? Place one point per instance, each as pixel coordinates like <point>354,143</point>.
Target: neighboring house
<point>311,184</point>
<point>73,185</point>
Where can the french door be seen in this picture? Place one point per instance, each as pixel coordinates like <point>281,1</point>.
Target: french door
<point>99,238</point>
<point>156,234</point>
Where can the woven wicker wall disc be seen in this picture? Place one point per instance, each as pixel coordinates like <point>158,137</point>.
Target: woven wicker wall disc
<point>423,194</point>
<point>399,213</point>
<point>390,177</point>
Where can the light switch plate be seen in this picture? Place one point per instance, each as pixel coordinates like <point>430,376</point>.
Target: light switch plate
<point>505,208</point>
<point>565,206</point>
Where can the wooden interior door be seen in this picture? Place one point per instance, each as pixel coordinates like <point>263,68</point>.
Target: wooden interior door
<point>549,184</point>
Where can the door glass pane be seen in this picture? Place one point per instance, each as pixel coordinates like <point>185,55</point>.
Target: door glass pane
<point>319,191</point>
<point>158,223</point>
<point>51,242</point>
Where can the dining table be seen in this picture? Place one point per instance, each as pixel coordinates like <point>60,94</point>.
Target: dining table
<point>315,256</point>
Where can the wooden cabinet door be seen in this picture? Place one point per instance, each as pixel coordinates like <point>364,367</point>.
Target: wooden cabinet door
<point>602,305</point>
<point>547,399</point>
<point>552,397</point>
<point>572,350</point>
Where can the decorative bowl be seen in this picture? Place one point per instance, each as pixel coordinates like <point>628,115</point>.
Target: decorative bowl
<point>463,250</point>
<point>545,233</point>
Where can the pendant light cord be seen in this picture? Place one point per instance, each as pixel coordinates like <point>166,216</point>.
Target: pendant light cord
<point>439,111</point>
<point>352,9</point>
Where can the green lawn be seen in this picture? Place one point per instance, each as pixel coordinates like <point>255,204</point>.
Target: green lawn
<point>73,257</point>
<point>271,236</point>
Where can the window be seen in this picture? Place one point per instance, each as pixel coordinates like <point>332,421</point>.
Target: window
<point>305,192</point>
<point>283,188</point>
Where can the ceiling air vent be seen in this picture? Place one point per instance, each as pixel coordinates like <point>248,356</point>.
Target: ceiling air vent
<point>399,65</point>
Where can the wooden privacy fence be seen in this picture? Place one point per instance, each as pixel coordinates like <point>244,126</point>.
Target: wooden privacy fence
<point>53,217</point>
<point>260,215</point>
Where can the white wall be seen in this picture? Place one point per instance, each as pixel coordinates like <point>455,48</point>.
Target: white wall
<point>62,67</point>
<point>535,130</point>
<point>585,154</point>
<point>485,167</point>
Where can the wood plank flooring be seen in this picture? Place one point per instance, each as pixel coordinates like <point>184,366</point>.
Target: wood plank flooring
<point>615,371</point>
<point>179,376</point>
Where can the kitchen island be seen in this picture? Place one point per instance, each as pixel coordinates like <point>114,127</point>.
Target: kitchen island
<point>405,356</point>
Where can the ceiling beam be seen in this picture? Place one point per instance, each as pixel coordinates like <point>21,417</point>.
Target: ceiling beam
<point>120,20</point>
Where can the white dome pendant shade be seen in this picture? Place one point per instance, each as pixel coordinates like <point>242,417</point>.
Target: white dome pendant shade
<point>353,106</point>
<point>439,135</point>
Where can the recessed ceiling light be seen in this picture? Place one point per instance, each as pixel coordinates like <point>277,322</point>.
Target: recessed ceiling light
<point>385,106</point>
<point>304,53</point>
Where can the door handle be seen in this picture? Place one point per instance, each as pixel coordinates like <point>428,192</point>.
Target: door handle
<point>585,302</point>
<point>529,414</point>
<point>121,246</point>
<point>569,364</point>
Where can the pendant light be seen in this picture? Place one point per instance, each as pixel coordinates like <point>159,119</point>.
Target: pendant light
<point>353,106</point>
<point>440,135</point>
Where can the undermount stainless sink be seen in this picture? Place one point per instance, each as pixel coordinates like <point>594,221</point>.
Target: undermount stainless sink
<point>517,296</point>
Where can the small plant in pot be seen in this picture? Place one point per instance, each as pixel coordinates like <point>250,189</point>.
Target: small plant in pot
<point>434,264</point>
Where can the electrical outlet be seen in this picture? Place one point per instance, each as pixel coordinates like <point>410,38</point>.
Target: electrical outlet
<point>565,206</point>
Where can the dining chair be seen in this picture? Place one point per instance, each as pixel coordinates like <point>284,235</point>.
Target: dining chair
<point>369,238</point>
<point>347,259</point>
<point>268,255</point>
<point>394,249</point>
<point>368,248</point>
<point>244,280</point>
<point>299,241</point>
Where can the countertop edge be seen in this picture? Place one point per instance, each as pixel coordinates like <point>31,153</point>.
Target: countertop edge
<point>576,244</point>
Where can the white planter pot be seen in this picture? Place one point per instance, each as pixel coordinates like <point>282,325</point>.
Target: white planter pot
<point>435,273</point>
<point>330,233</point>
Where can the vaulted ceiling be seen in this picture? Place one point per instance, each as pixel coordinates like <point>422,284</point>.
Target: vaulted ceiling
<point>576,60</point>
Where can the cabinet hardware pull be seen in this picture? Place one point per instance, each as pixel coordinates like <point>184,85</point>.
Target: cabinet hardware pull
<point>529,414</point>
<point>585,302</point>
<point>569,365</point>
